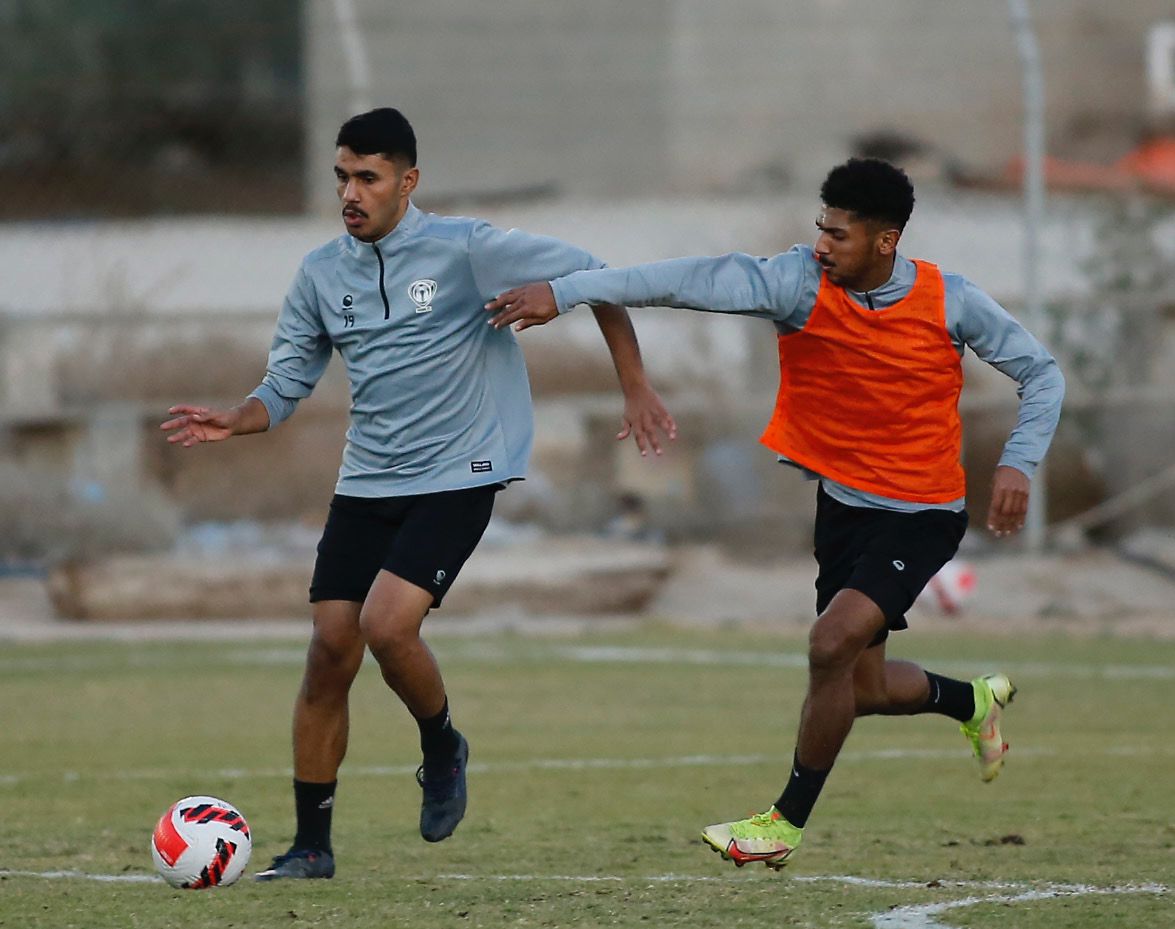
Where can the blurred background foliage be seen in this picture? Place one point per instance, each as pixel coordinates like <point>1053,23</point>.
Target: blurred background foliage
<point>130,107</point>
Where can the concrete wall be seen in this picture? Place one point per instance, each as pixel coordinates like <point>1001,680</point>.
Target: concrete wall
<point>106,325</point>
<point>503,96</point>
<point>688,95</point>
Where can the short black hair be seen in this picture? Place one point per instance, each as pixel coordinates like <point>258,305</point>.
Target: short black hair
<point>384,131</point>
<point>871,189</point>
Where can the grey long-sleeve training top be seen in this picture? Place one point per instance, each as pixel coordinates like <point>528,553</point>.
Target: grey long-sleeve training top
<point>783,289</point>
<point>439,399</point>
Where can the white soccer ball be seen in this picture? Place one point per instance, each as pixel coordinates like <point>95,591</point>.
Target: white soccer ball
<point>950,589</point>
<point>201,842</point>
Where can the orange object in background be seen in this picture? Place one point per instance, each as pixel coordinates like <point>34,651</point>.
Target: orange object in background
<point>1151,167</point>
<point>1152,163</point>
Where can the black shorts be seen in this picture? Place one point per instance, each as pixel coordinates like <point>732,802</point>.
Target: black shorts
<point>424,539</point>
<point>888,556</point>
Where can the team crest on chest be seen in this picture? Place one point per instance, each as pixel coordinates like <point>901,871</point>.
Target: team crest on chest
<point>422,293</point>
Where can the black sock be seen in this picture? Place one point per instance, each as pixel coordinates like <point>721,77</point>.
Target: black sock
<point>313,804</point>
<point>437,736</point>
<point>801,793</point>
<point>949,697</point>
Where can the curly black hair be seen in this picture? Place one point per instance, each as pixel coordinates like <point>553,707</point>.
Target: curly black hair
<point>379,132</point>
<point>871,189</point>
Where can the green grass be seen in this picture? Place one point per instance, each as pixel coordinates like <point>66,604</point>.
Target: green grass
<point>593,771</point>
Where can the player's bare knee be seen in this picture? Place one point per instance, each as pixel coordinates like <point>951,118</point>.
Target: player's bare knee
<point>829,650</point>
<point>836,641</point>
<point>334,649</point>
<point>388,634</point>
<point>331,666</point>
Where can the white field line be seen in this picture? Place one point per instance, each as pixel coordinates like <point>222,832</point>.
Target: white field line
<point>849,880</point>
<point>496,653</point>
<point>729,877</point>
<point>83,876</point>
<point>720,658</point>
<point>898,917</point>
<point>12,779</point>
<point>913,916</point>
<point>922,916</point>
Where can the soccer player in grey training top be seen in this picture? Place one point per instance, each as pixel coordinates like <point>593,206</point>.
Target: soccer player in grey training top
<point>870,351</point>
<point>441,420</point>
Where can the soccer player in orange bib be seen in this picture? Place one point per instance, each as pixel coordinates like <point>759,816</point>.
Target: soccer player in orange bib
<point>870,360</point>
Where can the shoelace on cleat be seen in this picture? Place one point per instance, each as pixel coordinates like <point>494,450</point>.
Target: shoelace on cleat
<point>975,737</point>
<point>438,788</point>
<point>291,855</point>
<point>745,828</point>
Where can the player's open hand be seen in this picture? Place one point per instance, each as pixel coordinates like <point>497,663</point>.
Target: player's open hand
<point>523,307</point>
<point>196,424</point>
<point>645,419</point>
<point>1009,501</point>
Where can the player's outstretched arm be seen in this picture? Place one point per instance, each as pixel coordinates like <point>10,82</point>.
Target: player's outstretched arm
<point>523,307</point>
<point>1009,501</point>
<point>645,417</point>
<point>192,425</point>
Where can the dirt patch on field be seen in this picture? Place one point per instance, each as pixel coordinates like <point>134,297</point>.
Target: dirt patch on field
<point>1094,592</point>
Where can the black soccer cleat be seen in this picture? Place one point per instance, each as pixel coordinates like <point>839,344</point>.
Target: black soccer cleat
<point>443,804</point>
<point>300,863</point>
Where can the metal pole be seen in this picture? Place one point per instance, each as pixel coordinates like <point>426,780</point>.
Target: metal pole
<point>1033,90</point>
<point>355,55</point>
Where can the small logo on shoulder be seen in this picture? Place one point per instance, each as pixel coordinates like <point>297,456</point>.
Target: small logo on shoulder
<point>348,302</point>
<point>900,565</point>
<point>440,578</point>
<point>479,467</point>
<point>422,293</point>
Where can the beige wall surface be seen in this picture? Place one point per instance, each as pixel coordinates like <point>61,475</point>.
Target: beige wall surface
<point>686,95</point>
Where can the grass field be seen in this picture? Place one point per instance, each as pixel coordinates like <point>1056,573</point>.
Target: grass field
<point>595,761</point>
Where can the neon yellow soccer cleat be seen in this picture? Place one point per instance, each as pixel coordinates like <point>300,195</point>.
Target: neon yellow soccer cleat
<point>766,837</point>
<point>993,692</point>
